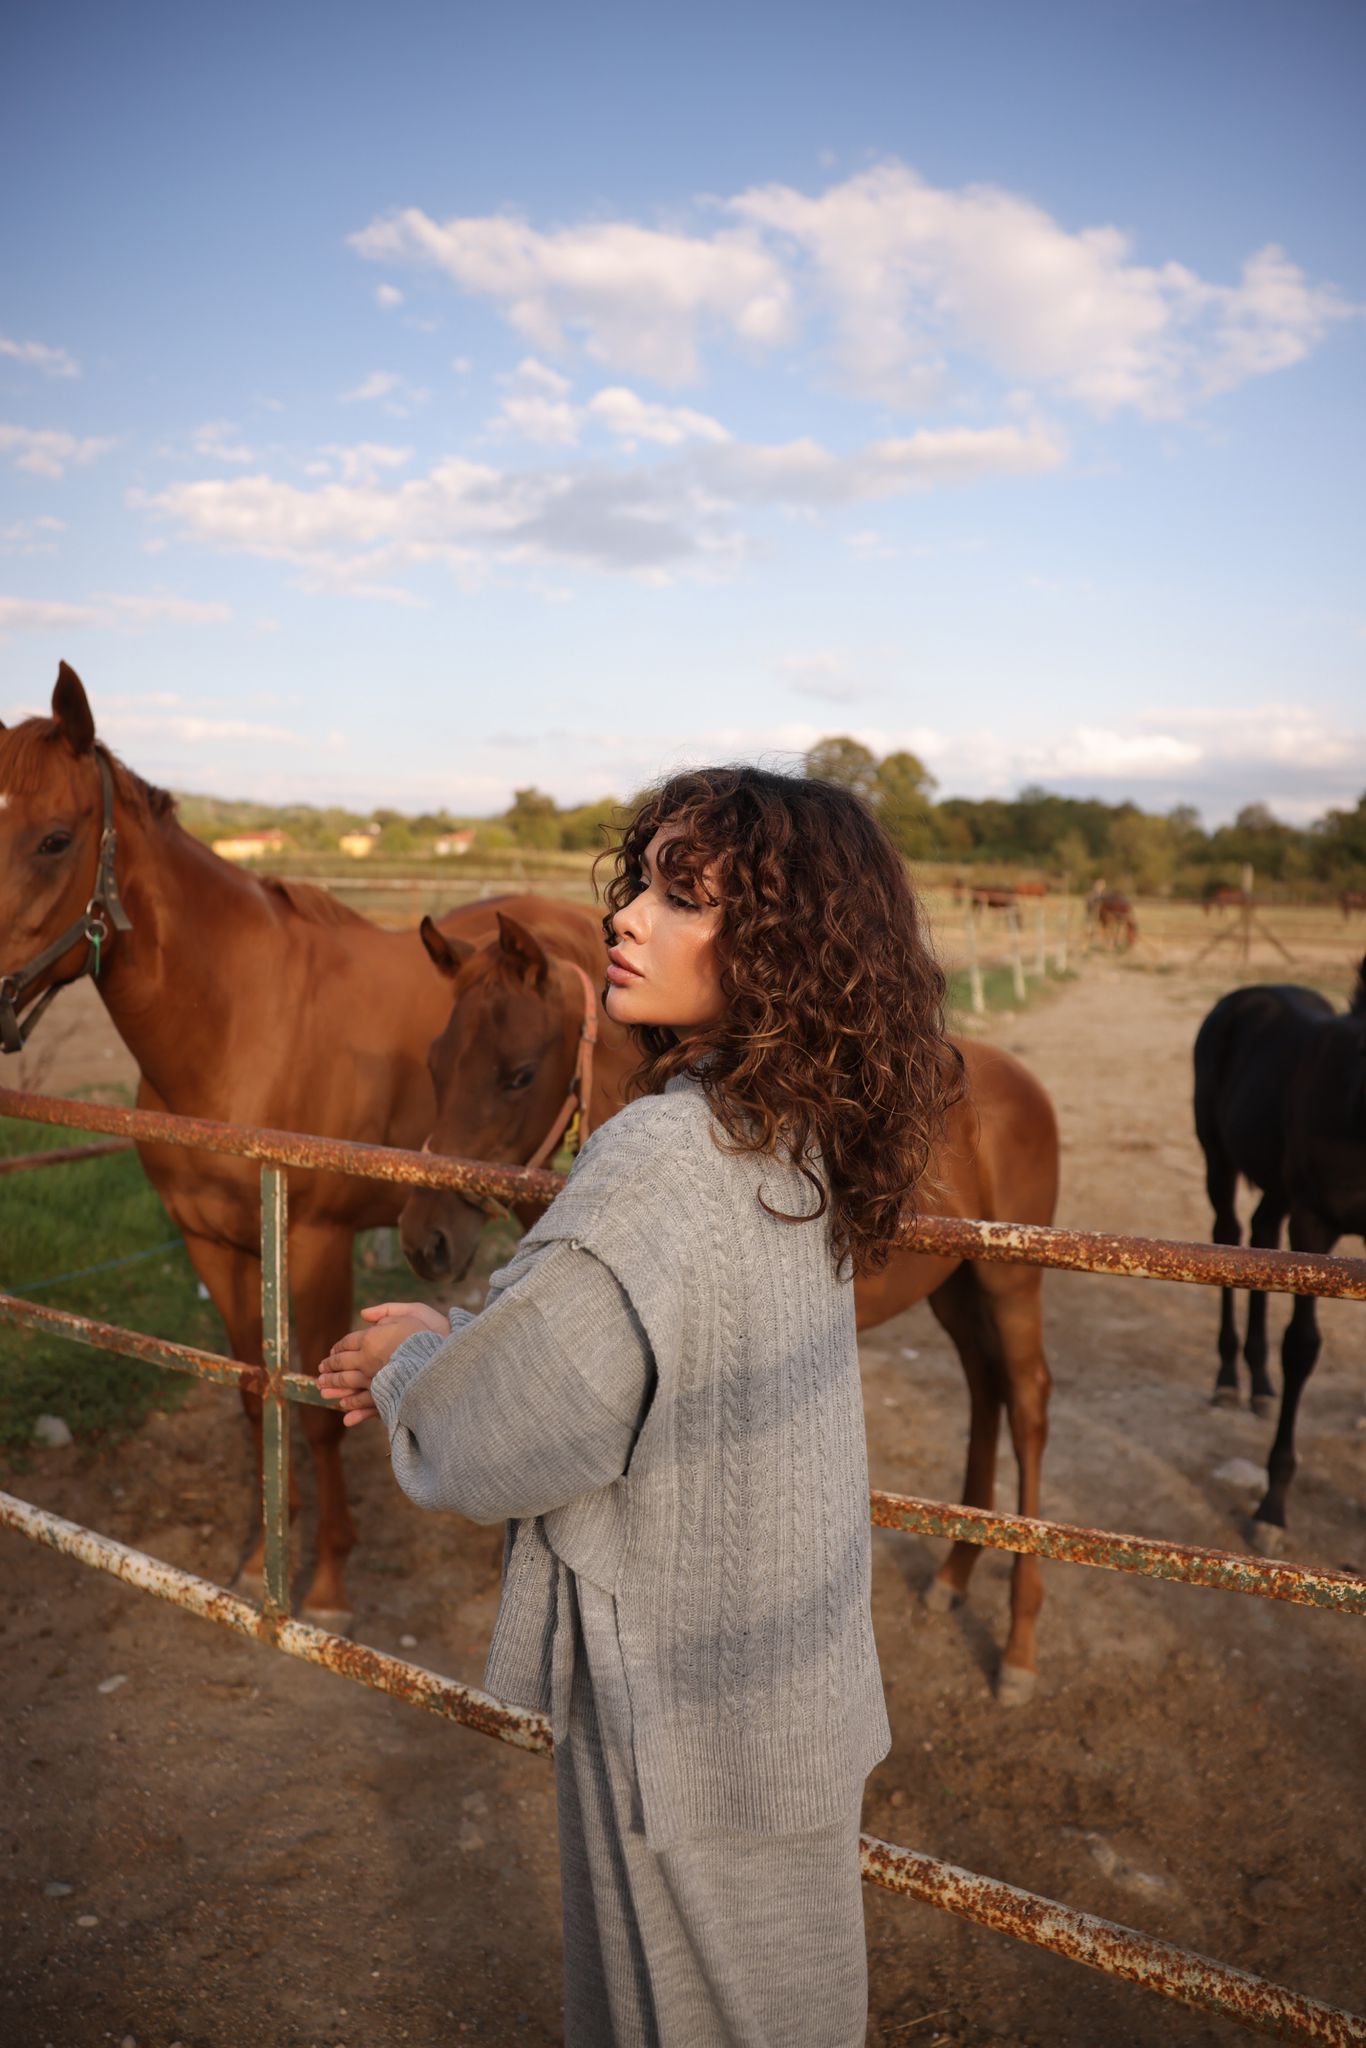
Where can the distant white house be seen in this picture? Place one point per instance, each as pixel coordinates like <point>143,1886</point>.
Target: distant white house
<point>453,842</point>
<point>360,845</point>
<point>250,845</point>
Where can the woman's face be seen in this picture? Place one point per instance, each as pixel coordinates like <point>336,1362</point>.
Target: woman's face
<point>663,967</point>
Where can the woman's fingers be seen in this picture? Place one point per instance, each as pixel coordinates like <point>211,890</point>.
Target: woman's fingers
<point>383,1309</point>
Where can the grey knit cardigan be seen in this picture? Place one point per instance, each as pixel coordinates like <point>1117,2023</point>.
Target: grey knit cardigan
<point>736,1542</point>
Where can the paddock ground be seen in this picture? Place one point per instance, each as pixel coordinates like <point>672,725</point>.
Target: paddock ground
<point>273,1858</point>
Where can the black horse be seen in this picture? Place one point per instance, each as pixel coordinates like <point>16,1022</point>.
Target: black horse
<point>1280,1098</point>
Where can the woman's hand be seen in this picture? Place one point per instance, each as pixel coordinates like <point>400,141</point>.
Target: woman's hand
<point>345,1374</point>
<point>410,1311</point>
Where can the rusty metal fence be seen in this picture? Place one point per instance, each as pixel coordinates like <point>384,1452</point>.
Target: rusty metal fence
<point>1123,1952</point>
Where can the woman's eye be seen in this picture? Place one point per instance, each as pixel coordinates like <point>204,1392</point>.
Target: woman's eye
<point>681,902</point>
<point>55,842</point>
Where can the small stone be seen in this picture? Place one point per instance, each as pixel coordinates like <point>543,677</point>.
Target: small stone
<point>51,1433</point>
<point>907,1352</point>
<point>128,2041</point>
<point>55,1889</point>
<point>898,1797</point>
<point>112,1684</point>
<point>87,1919</point>
<point>202,1291</point>
<point>407,1642</point>
<point>1240,1472</point>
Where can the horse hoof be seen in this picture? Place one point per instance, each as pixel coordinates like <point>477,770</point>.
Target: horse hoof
<point>1224,1397</point>
<point>338,1621</point>
<point>941,1598</point>
<point>1268,1539</point>
<point>1264,1405</point>
<point>1015,1686</point>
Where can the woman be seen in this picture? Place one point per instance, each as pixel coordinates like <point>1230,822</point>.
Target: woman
<point>661,1398</point>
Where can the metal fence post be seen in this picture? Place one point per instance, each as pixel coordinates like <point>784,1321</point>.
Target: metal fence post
<point>275,1419</point>
<point>1016,956</point>
<point>976,994</point>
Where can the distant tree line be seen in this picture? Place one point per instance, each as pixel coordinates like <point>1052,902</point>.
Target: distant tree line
<point>1072,841</point>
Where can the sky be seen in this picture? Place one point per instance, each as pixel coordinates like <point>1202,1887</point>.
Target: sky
<point>403,405</point>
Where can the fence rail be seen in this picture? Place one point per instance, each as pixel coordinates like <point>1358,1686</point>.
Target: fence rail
<point>1120,1951</point>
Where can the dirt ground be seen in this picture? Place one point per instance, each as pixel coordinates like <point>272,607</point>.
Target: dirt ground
<point>203,1842</point>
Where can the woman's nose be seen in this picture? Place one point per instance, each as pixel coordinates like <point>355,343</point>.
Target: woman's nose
<point>632,922</point>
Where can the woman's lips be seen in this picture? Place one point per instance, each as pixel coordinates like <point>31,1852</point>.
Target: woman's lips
<point>620,970</point>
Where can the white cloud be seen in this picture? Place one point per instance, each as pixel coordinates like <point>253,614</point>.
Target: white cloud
<point>388,296</point>
<point>389,389</point>
<point>53,362</point>
<point>45,615</point>
<point>634,419</point>
<point>924,286</point>
<point>915,275</point>
<point>361,461</point>
<point>825,675</point>
<point>684,512</point>
<point>221,441</point>
<point>639,298</point>
<point>535,406</point>
<point>31,536</point>
<point>45,451</point>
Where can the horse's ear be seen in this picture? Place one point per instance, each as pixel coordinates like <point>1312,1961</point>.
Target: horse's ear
<point>448,956</point>
<point>523,952</point>
<point>71,709</point>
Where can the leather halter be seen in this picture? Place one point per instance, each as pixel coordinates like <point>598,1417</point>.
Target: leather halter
<point>573,1110</point>
<point>103,915</point>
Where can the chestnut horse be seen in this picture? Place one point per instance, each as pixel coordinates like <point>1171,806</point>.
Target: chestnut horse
<point>506,1057</point>
<point>243,999</point>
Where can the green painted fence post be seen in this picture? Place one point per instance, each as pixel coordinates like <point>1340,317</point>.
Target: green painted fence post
<point>275,1436</point>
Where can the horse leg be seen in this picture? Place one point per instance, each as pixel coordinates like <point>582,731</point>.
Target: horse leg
<point>320,1283</point>
<point>1221,1182</point>
<point>958,1309</point>
<point>233,1278</point>
<point>1299,1352</point>
<point>1265,1233</point>
<point>1013,1296</point>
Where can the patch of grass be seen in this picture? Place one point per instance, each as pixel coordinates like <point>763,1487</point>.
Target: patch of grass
<point>56,1223</point>
<point>59,1221</point>
<point>998,989</point>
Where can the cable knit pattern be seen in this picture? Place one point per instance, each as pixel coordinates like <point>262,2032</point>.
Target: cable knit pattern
<point>734,1536</point>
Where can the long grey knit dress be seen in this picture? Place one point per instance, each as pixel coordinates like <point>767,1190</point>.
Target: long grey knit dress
<point>662,1399</point>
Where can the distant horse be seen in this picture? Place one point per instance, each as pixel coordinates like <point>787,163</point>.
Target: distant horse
<point>512,995</point>
<point>1221,896</point>
<point>992,896</point>
<point>1113,916</point>
<point>1031,888</point>
<point>1350,900</point>
<point>1280,1099</point>
<point>243,999</point>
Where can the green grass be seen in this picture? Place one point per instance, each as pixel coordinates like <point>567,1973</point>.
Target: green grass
<point>61,1220</point>
<point>998,989</point>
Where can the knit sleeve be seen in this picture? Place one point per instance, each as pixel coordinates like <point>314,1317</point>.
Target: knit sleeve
<point>528,1405</point>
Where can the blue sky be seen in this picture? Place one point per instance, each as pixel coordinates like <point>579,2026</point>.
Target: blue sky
<point>398,405</point>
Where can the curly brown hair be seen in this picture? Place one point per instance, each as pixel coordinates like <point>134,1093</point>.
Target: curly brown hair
<point>831,1051</point>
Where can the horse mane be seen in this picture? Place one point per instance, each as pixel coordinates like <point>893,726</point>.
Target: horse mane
<point>310,902</point>
<point>23,755</point>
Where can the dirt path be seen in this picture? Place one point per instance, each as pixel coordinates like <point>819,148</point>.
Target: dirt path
<point>258,1853</point>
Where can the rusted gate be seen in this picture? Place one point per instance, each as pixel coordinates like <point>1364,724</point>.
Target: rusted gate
<point>1120,1951</point>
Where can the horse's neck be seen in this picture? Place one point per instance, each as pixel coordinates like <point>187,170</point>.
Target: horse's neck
<point>172,982</point>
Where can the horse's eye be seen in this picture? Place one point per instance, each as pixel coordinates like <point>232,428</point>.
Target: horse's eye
<point>55,842</point>
<point>522,1078</point>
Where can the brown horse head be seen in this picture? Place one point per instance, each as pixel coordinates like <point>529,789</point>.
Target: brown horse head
<point>500,1068</point>
<point>51,814</point>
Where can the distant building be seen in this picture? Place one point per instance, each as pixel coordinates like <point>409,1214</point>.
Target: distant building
<point>250,845</point>
<point>454,842</point>
<point>360,845</point>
